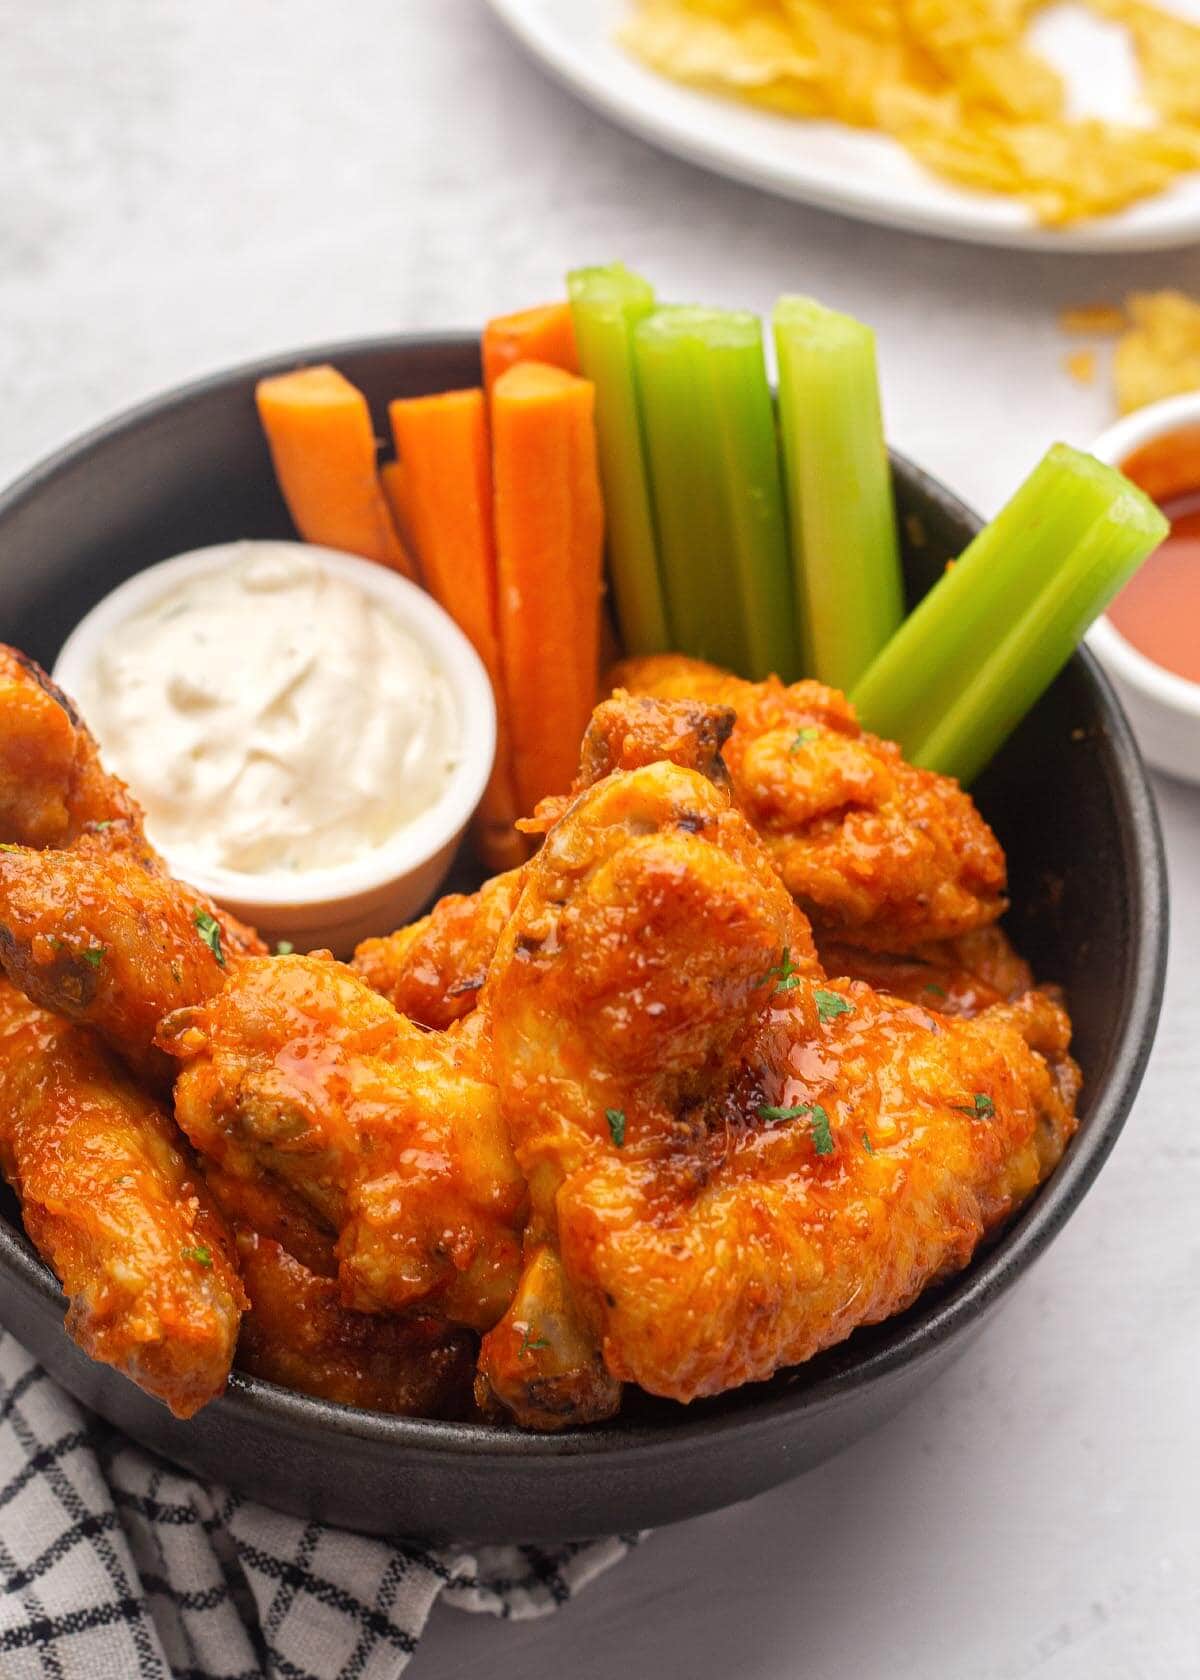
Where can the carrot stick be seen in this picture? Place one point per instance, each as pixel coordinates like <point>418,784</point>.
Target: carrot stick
<point>549,545</point>
<point>319,430</point>
<point>394,480</point>
<point>447,473</point>
<point>545,334</point>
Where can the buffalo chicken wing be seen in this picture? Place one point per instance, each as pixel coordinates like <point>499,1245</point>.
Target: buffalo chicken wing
<point>878,853</point>
<point>609,1112</point>
<point>392,1136</point>
<point>94,937</point>
<point>297,1333</point>
<point>736,1161</point>
<point>114,1204</point>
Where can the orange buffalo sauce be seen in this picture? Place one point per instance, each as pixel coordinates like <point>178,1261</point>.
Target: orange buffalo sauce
<point>1159,609</point>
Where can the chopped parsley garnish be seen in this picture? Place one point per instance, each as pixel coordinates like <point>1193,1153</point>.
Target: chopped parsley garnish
<point>822,1136</point>
<point>616,1125</point>
<point>284,948</point>
<point>785,973</point>
<point>99,827</point>
<point>806,734</point>
<point>528,1346</point>
<point>202,1256</point>
<point>867,1144</point>
<point>981,1105</point>
<point>832,1004</point>
<point>210,932</point>
<point>938,991</point>
<point>776,1116</point>
<point>95,955</point>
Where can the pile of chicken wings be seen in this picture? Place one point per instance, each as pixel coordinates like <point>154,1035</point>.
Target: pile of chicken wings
<point>738,1062</point>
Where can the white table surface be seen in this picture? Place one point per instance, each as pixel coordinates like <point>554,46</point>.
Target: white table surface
<point>183,185</point>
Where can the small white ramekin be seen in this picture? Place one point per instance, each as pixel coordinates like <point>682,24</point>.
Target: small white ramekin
<point>332,907</point>
<point>1163,707</point>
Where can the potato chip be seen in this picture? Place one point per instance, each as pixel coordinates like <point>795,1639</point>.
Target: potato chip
<point>1159,356</point>
<point>1093,320</point>
<point>1168,53</point>
<point>954,81</point>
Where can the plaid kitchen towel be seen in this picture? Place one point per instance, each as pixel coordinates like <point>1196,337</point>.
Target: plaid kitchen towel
<point>115,1566</point>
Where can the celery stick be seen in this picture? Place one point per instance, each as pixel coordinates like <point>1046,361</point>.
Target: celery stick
<point>718,501</point>
<point>753,486</point>
<point>1000,624</point>
<point>845,552</point>
<point>998,574</point>
<point>606,304</point>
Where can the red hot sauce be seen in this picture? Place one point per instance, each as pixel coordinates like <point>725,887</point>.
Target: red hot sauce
<point>1159,609</point>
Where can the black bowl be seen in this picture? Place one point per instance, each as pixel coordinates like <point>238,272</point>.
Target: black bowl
<point>1067,796</point>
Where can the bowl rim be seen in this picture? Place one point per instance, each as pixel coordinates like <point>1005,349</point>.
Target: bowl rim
<point>910,1339</point>
<point>431,628</point>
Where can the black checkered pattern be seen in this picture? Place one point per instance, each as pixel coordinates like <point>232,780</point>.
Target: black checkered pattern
<point>115,1566</point>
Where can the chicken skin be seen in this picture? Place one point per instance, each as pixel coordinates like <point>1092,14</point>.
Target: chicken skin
<point>297,1332</point>
<point>53,789</point>
<point>269,1209</point>
<point>117,1209</point>
<point>392,1136</point>
<point>542,1366</point>
<point>621,869</point>
<point>737,1161</point>
<point>878,854</point>
<point>433,970</point>
<point>961,976</point>
<point>94,937</point>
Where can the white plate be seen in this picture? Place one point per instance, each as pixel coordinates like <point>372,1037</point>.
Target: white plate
<point>843,169</point>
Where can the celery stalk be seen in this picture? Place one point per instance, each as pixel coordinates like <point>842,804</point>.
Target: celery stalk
<point>845,552</point>
<point>753,486</point>
<point>606,305</point>
<point>718,500</point>
<point>1000,624</point>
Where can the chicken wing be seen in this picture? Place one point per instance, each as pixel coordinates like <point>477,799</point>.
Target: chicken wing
<point>299,1335</point>
<point>642,857</point>
<point>91,923</point>
<point>53,788</point>
<point>961,976</point>
<point>297,1332</point>
<point>433,970</point>
<point>94,937</point>
<point>737,1161</point>
<point>542,1365</point>
<point>391,1135</point>
<point>270,1209</point>
<point>879,854</point>
<point>116,1208</point>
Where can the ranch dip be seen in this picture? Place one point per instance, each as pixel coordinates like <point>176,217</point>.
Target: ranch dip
<point>271,716</point>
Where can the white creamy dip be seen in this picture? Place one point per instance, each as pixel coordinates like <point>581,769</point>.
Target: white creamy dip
<point>271,716</point>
